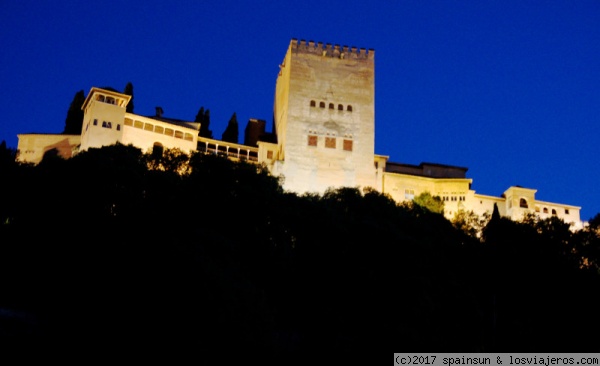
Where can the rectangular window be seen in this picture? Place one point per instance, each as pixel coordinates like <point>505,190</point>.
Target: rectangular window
<point>118,127</point>
<point>312,140</point>
<point>148,127</point>
<point>348,145</point>
<point>330,142</point>
<point>159,129</point>
<point>128,122</point>
<point>138,124</point>
<point>566,211</point>
<point>106,124</point>
<point>269,154</point>
<point>178,134</point>
<point>409,194</point>
<point>169,132</point>
<point>95,122</point>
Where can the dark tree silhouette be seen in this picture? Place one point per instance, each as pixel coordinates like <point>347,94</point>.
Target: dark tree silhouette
<point>204,118</point>
<point>594,222</point>
<point>289,276</point>
<point>74,119</point>
<point>7,155</point>
<point>129,91</point>
<point>232,131</point>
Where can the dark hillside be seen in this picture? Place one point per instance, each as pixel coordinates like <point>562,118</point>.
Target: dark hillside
<point>101,250</point>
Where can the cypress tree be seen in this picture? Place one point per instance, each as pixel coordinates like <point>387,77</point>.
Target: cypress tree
<point>232,131</point>
<point>129,91</point>
<point>204,118</point>
<point>74,119</point>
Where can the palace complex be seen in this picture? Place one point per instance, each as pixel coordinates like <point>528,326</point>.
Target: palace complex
<point>323,136</point>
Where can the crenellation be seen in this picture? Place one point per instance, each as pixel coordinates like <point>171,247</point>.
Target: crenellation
<point>336,50</point>
<point>331,50</point>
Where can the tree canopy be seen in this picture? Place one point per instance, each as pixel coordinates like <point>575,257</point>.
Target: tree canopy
<point>129,91</point>
<point>203,116</point>
<point>208,256</point>
<point>231,132</point>
<point>74,120</point>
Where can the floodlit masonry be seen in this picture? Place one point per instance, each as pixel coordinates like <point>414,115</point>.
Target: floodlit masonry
<point>323,137</point>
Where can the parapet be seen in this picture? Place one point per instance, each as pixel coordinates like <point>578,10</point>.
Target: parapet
<point>333,51</point>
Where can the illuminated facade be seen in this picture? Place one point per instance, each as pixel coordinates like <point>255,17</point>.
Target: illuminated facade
<point>324,123</point>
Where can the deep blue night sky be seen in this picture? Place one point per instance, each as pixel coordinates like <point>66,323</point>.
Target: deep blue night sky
<point>509,89</point>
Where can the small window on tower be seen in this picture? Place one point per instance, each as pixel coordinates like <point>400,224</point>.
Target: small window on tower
<point>322,105</point>
<point>348,145</point>
<point>330,142</point>
<point>349,108</point>
<point>312,140</point>
<point>313,103</point>
<point>340,107</point>
<point>331,106</point>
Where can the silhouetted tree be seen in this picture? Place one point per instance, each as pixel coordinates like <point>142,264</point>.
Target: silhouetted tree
<point>7,155</point>
<point>231,132</point>
<point>594,222</point>
<point>286,279</point>
<point>204,118</point>
<point>74,119</point>
<point>129,91</point>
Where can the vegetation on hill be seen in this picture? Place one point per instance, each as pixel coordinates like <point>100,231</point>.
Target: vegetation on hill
<point>115,249</point>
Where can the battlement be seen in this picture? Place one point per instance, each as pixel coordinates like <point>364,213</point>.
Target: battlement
<point>329,50</point>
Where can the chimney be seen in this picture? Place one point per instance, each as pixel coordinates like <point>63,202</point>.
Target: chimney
<point>159,111</point>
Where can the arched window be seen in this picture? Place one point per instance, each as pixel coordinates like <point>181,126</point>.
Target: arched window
<point>331,106</point>
<point>553,212</point>
<point>340,107</point>
<point>349,108</point>
<point>322,104</point>
<point>523,203</point>
<point>545,210</point>
<point>313,103</point>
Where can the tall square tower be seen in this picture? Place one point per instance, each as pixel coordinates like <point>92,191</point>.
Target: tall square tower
<point>324,117</point>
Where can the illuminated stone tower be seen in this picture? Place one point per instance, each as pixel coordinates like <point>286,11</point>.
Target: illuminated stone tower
<point>324,117</point>
<point>104,112</point>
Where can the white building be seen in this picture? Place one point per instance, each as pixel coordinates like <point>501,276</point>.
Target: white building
<point>324,119</point>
